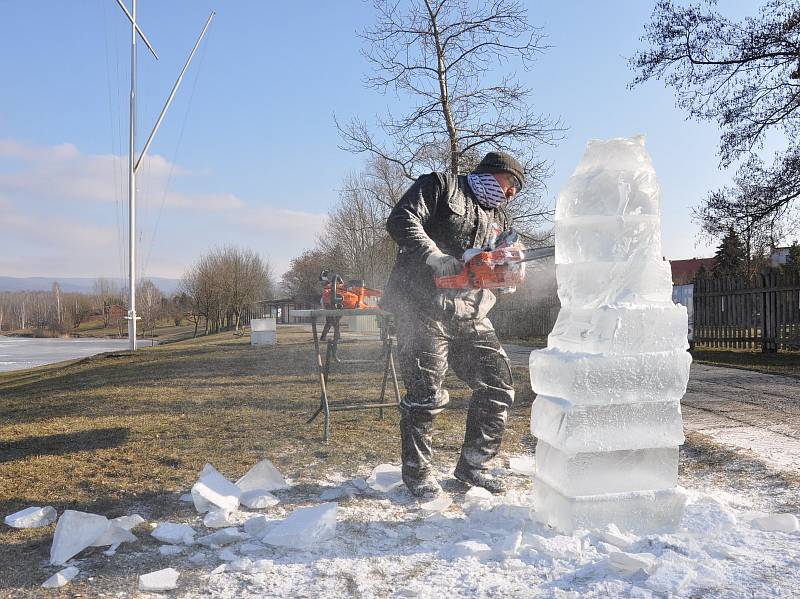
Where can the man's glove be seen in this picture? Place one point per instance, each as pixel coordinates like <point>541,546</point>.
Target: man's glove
<point>444,265</point>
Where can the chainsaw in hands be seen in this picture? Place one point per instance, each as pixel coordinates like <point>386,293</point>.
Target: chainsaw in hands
<point>501,267</point>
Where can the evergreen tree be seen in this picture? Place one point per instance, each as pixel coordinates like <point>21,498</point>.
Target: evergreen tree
<point>730,256</point>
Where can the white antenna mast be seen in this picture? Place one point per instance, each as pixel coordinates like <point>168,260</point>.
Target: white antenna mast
<point>134,162</point>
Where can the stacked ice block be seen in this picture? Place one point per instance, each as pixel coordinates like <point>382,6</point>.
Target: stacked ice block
<point>607,413</point>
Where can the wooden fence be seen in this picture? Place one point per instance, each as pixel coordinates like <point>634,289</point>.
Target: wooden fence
<point>762,311</point>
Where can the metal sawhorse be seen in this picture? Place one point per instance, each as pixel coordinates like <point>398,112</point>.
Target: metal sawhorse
<point>331,356</point>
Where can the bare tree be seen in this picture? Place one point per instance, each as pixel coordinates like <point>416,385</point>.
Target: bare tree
<point>221,284</point>
<point>106,294</point>
<point>149,304</point>
<point>356,230</point>
<point>745,75</point>
<point>442,55</point>
<point>245,279</point>
<point>302,279</point>
<point>78,307</point>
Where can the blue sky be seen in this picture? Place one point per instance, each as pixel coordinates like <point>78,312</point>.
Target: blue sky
<point>248,153</point>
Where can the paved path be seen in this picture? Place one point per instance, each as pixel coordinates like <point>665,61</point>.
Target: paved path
<point>741,409</point>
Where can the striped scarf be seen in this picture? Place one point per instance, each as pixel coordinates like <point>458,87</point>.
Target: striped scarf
<point>487,190</point>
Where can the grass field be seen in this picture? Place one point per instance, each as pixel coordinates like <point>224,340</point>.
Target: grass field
<point>786,363</point>
<point>123,433</point>
<point>127,433</point>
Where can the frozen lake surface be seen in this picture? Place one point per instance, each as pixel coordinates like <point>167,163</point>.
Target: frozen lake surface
<point>17,353</point>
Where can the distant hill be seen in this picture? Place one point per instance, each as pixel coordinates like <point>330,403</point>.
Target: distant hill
<point>74,284</point>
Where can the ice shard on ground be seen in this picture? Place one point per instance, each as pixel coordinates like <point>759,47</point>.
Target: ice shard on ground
<point>607,413</point>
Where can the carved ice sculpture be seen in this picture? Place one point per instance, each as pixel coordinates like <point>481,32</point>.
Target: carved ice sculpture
<point>607,413</point>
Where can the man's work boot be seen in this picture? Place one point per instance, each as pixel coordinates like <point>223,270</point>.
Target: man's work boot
<point>427,486</point>
<point>475,477</point>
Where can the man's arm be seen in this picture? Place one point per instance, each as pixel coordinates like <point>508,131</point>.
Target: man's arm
<point>406,223</point>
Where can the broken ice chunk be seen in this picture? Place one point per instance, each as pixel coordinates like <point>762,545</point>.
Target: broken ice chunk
<point>478,494</point>
<point>221,537</point>
<point>114,535</point>
<point>228,555</point>
<point>673,574</point>
<point>611,534</point>
<point>213,489</point>
<point>174,534</point>
<point>776,523</point>
<point>332,494</point>
<point>470,549</point>
<point>59,579</point>
<point>218,518</point>
<point>262,477</point>
<point>385,477</point>
<point>559,546</point>
<point>128,522</point>
<point>256,525</point>
<point>509,546</point>
<point>75,532</point>
<point>437,504</point>
<point>32,517</point>
<point>258,499</point>
<point>160,580</point>
<point>241,564</point>
<point>358,483</point>
<point>630,563</point>
<point>249,548</point>
<point>524,465</point>
<point>304,528</point>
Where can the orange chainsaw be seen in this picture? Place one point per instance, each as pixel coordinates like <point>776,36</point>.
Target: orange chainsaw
<point>338,295</point>
<point>501,267</point>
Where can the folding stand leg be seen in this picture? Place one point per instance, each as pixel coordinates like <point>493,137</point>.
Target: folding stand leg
<point>394,372</point>
<point>323,406</point>
<point>383,385</point>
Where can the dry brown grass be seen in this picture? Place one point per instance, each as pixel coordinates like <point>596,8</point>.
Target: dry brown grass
<point>122,433</point>
<point>786,363</point>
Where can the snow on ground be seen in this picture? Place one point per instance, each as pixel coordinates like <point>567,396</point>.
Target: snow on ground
<point>385,545</point>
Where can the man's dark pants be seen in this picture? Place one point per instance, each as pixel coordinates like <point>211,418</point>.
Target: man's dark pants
<point>471,347</point>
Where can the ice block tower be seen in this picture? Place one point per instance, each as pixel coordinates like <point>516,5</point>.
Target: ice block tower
<point>607,414</point>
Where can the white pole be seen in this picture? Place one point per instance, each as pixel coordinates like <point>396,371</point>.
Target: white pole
<point>132,194</point>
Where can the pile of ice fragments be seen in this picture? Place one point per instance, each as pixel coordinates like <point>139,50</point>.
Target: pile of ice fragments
<point>213,496</point>
<point>607,414</point>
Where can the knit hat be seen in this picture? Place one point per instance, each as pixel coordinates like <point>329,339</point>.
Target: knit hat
<point>495,162</point>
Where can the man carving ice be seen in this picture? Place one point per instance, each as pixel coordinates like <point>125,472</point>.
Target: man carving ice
<point>439,217</point>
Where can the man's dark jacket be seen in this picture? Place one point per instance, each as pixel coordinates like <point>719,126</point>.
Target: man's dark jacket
<point>438,211</point>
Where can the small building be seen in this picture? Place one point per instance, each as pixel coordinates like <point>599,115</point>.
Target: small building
<point>685,271</point>
<point>281,309</point>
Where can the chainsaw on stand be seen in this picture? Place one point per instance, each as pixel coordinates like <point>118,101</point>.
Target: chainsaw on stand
<point>338,295</point>
<point>501,266</point>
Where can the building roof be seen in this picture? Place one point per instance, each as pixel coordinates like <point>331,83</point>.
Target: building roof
<point>684,271</point>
